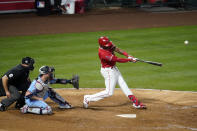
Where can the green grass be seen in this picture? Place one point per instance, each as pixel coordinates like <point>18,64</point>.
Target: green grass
<point>77,53</point>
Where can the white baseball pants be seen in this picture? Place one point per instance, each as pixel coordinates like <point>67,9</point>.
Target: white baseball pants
<point>112,76</point>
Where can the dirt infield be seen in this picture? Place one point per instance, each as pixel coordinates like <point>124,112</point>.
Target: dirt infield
<point>167,110</point>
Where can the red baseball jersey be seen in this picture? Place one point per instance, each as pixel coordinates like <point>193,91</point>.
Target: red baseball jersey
<point>108,58</point>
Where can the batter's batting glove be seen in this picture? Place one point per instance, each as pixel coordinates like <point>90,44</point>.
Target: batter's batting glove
<point>75,81</point>
<point>134,60</point>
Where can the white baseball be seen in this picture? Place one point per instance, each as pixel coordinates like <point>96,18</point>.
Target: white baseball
<point>186,42</point>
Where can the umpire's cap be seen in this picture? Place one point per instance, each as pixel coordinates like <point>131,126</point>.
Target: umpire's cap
<point>28,61</point>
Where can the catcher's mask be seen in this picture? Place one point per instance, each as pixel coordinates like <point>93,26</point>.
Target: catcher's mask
<point>30,62</point>
<point>47,70</point>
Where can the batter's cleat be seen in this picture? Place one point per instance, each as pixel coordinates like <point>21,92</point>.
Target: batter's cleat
<point>85,102</point>
<point>65,106</point>
<point>75,81</point>
<point>24,109</point>
<point>137,104</point>
<point>2,107</point>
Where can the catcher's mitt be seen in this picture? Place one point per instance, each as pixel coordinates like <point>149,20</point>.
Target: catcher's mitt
<point>75,81</point>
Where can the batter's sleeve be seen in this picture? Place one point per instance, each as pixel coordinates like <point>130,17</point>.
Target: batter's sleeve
<point>120,60</point>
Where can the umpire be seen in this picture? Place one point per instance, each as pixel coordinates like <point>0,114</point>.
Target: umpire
<point>14,84</point>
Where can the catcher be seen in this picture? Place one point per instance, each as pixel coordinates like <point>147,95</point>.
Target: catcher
<point>40,90</point>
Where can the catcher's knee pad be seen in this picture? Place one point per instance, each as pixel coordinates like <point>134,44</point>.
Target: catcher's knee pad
<point>37,110</point>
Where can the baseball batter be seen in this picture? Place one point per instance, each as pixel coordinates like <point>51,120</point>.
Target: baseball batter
<point>111,73</point>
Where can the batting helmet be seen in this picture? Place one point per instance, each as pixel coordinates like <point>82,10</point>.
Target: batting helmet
<point>104,42</point>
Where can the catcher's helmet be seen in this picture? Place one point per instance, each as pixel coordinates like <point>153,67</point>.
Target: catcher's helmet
<point>45,70</point>
<point>104,42</point>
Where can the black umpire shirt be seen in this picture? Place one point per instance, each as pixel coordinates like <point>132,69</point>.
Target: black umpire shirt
<point>17,77</point>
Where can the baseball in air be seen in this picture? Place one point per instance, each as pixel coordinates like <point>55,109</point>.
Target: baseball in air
<point>186,42</point>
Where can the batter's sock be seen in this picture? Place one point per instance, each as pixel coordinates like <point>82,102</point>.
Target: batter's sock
<point>137,104</point>
<point>133,99</point>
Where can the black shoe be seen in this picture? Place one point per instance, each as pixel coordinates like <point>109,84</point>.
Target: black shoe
<point>75,81</point>
<point>18,105</point>
<point>2,107</point>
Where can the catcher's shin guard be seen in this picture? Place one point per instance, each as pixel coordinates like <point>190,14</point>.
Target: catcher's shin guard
<point>57,98</point>
<point>36,110</point>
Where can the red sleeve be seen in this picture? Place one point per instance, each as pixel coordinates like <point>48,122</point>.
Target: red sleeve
<point>125,54</point>
<point>121,60</point>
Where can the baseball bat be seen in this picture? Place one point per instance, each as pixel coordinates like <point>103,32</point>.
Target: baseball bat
<point>150,62</point>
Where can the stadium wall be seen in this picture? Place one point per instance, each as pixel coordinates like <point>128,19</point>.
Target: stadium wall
<point>14,6</point>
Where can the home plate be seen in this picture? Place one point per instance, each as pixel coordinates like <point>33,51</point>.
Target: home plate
<point>127,115</point>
